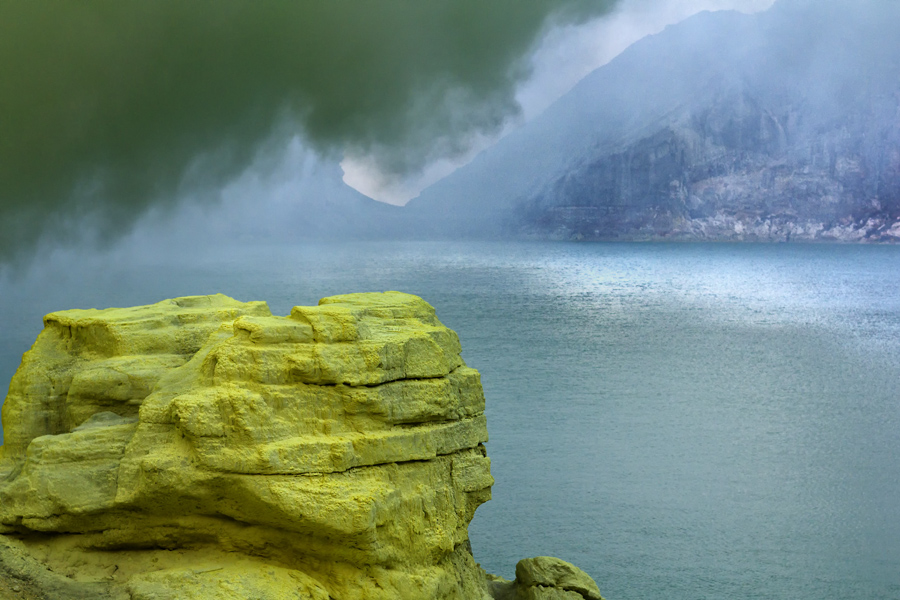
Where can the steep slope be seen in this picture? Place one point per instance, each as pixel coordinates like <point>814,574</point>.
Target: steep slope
<point>780,125</point>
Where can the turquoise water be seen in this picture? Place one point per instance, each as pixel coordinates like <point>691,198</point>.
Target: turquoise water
<point>682,421</point>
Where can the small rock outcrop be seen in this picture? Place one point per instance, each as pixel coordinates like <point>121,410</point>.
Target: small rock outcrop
<point>203,448</point>
<point>545,578</point>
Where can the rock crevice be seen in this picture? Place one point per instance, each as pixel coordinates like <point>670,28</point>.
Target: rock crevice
<point>204,446</point>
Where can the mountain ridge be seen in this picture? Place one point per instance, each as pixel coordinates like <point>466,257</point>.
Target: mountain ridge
<point>781,125</point>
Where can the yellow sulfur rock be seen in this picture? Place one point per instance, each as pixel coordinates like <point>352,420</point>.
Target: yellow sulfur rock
<point>203,448</point>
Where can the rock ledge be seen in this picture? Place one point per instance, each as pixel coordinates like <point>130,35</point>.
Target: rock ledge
<point>202,447</point>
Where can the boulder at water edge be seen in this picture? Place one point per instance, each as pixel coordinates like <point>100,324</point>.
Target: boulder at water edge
<point>203,448</point>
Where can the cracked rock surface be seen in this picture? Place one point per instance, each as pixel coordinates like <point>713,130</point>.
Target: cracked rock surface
<point>202,447</point>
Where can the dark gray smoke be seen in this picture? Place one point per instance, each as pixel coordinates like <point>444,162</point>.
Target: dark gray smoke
<point>107,107</point>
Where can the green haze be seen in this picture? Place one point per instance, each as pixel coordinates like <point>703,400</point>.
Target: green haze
<point>107,107</point>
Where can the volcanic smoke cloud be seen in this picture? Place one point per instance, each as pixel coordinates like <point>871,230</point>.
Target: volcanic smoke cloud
<point>107,107</point>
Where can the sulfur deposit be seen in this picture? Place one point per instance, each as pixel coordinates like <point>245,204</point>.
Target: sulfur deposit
<point>203,448</point>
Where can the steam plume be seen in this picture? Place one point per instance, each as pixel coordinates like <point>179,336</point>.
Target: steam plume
<point>108,106</point>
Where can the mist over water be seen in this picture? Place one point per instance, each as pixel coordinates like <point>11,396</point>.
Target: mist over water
<point>682,421</point>
<point>112,111</point>
<point>108,109</point>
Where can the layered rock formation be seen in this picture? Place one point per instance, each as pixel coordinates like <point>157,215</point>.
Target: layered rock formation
<point>201,447</point>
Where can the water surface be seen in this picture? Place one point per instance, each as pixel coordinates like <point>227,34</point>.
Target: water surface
<point>683,421</point>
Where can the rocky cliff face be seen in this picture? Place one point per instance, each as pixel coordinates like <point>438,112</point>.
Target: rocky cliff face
<point>783,125</point>
<point>736,168</point>
<point>201,447</point>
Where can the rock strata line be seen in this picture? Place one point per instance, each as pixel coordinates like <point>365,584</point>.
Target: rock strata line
<point>202,447</point>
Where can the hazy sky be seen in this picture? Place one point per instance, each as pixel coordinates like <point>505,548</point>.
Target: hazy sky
<point>109,108</point>
<point>112,111</point>
<point>564,57</point>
